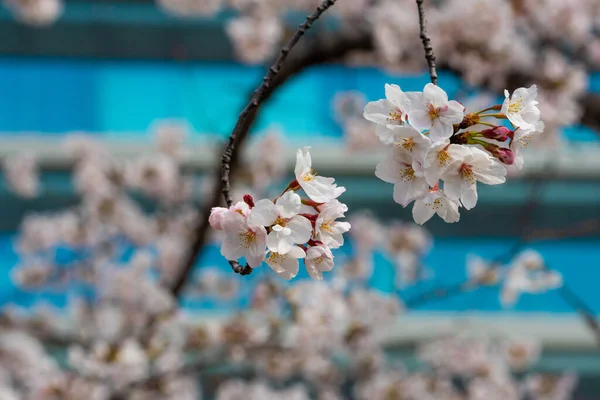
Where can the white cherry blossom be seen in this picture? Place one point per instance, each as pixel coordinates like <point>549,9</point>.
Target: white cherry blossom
<point>243,239</point>
<point>288,227</point>
<point>411,140</point>
<point>521,139</point>
<point>398,168</point>
<point>460,181</point>
<point>318,259</point>
<point>318,188</point>
<point>286,265</point>
<point>433,112</point>
<point>435,202</point>
<point>393,110</point>
<point>439,158</point>
<point>327,229</point>
<point>521,107</point>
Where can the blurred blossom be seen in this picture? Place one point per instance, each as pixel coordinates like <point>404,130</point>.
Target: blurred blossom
<point>36,13</point>
<point>255,37</point>
<point>191,8</point>
<point>527,274</point>
<point>550,387</point>
<point>267,164</point>
<point>20,172</point>
<point>170,136</point>
<point>521,353</point>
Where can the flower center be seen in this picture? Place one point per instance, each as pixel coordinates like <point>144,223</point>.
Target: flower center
<point>247,238</point>
<point>327,226</point>
<point>309,176</point>
<point>515,106</point>
<point>433,112</point>
<point>437,204</point>
<point>396,115</point>
<point>466,170</point>
<point>408,143</point>
<point>443,158</point>
<point>276,258</point>
<point>318,260</point>
<point>280,221</point>
<point>407,174</point>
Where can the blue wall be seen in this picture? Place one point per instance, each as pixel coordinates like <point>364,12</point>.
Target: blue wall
<point>56,96</point>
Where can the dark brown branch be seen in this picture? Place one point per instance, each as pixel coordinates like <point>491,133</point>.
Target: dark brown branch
<point>259,96</point>
<point>322,49</point>
<point>429,55</point>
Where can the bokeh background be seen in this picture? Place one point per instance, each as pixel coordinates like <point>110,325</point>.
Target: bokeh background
<point>116,70</point>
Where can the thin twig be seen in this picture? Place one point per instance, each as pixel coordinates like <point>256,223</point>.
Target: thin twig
<point>429,55</point>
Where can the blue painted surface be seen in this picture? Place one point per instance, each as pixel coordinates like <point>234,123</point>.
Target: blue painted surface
<point>125,97</point>
<point>578,261</point>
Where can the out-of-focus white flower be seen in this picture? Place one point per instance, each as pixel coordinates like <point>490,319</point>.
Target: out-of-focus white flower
<point>527,274</point>
<point>433,112</point>
<point>550,387</point>
<point>20,171</point>
<point>36,12</point>
<point>255,37</point>
<point>191,8</point>
<point>170,136</point>
<point>521,353</point>
<point>482,272</point>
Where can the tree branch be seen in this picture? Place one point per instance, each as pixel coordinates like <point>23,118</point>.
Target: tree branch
<point>321,49</point>
<point>429,55</point>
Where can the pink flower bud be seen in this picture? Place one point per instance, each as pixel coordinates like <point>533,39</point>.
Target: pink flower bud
<point>249,200</point>
<point>506,156</point>
<point>216,217</point>
<point>500,133</point>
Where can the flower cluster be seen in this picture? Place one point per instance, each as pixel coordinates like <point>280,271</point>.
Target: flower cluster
<point>526,273</point>
<point>288,228</point>
<point>433,139</point>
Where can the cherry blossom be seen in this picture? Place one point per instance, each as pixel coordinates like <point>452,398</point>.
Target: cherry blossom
<point>433,112</point>
<point>318,188</point>
<point>436,202</point>
<point>399,169</point>
<point>439,157</point>
<point>287,227</point>
<point>285,265</point>
<point>327,229</point>
<point>394,109</point>
<point>521,107</point>
<point>243,239</point>
<point>460,181</point>
<point>318,260</point>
